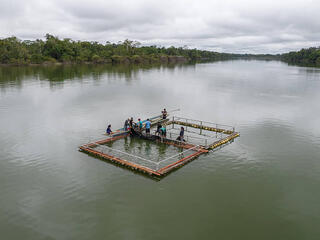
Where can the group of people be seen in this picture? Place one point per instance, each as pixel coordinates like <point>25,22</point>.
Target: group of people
<point>161,129</point>
<point>129,124</point>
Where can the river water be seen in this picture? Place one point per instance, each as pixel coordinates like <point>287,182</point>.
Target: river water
<point>265,185</point>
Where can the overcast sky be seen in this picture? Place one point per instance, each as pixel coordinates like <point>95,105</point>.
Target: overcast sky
<point>252,26</point>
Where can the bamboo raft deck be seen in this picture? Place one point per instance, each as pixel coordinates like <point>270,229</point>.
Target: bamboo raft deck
<point>227,134</point>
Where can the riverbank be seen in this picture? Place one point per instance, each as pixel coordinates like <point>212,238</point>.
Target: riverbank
<point>113,60</point>
<point>304,57</point>
<point>55,51</point>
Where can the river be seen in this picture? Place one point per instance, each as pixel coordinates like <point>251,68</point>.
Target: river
<point>265,185</point>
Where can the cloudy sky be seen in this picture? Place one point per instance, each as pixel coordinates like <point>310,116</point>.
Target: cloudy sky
<point>251,26</point>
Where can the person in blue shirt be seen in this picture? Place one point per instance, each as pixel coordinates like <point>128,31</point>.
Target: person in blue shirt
<point>148,126</point>
<point>109,131</point>
<point>140,124</point>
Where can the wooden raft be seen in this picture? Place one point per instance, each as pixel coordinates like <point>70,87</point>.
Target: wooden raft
<point>197,150</point>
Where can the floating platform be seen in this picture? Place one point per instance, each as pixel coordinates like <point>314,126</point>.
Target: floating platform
<point>200,138</point>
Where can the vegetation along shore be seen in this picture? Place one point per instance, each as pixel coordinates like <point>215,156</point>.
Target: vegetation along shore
<point>53,50</point>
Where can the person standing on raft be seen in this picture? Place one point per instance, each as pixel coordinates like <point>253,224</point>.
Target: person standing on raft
<point>131,122</point>
<point>126,125</point>
<point>181,135</point>
<point>140,124</point>
<point>148,126</point>
<point>159,126</point>
<point>164,114</point>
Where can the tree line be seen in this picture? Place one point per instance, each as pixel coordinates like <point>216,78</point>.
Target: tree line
<point>310,56</point>
<point>52,50</point>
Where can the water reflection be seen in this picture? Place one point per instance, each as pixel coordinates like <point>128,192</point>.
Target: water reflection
<point>14,76</point>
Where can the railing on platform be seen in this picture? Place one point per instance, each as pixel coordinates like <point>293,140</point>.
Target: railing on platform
<point>187,138</point>
<point>204,123</point>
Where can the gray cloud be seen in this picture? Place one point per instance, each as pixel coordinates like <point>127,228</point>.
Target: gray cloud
<point>230,25</point>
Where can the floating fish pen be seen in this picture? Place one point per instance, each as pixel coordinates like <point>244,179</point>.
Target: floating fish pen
<point>165,153</point>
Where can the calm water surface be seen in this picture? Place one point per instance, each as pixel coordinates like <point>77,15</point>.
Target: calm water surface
<point>265,185</point>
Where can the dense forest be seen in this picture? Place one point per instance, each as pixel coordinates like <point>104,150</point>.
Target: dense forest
<point>310,56</point>
<point>54,50</point>
<point>14,51</point>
